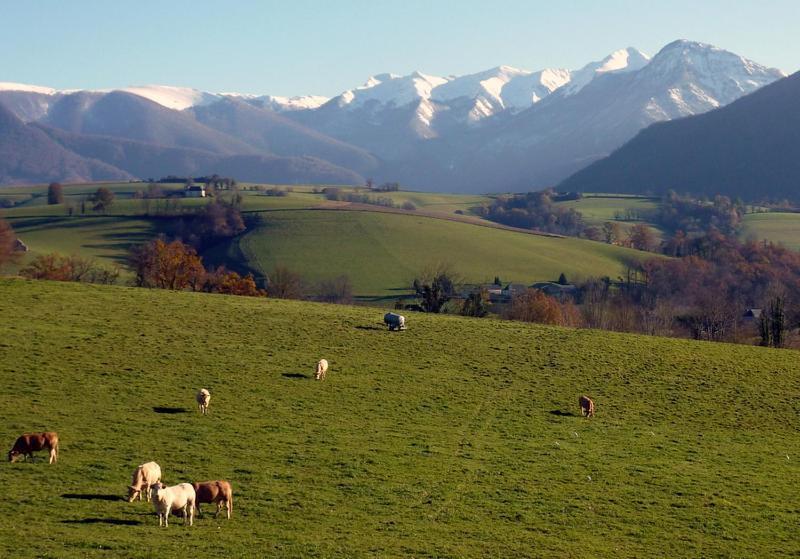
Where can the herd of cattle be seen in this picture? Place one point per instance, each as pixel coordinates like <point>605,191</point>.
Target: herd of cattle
<point>184,497</point>
<point>187,497</point>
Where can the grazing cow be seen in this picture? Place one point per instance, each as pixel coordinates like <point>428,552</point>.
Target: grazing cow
<point>144,476</point>
<point>394,321</point>
<point>322,369</point>
<point>29,443</point>
<point>218,492</point>
<point>177,497</point>
<point>587,406</point>
<point>203,399</point>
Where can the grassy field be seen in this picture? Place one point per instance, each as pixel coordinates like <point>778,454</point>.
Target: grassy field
<point>382,253</point>
<point>106,239</point>
<point>783,228</point>
<point>597,209</point>
<point>456,438</point>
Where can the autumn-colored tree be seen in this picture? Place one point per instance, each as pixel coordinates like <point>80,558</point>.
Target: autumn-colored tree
<point>285,284</point>
<point>55,193</point>
<point>216,220</point>
<point>612,232</point>
<point>534,306</point>
<point>571,315</point>
<point>102,198</point>
<point>167,266</point>
<point>593,233</point>
<point>230,283</point>
<point>641,237</point>
<point>56,267</point>
<point>7,242</point>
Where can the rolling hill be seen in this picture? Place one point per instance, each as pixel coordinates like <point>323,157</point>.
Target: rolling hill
<point>458,437</point>
<point>749,149</point>
<point>382,253</point>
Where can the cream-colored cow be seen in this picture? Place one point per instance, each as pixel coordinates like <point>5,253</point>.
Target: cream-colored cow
<point>203,399</point>
<point>178,497</point>
<point>322,369</point>
<point>144,476</point>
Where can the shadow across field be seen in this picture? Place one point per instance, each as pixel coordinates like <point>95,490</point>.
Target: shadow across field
<point>160,409</point>
<point>92,497</point>
<point>562,413</point>
<point>115,521</point>
<point>295,375</point>
<point>369,328</point>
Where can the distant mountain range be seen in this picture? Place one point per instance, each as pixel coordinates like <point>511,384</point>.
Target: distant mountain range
<point>748,149</point>
<point>498,130</point>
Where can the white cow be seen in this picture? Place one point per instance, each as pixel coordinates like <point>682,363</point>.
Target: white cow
<point>322,369</point>
<point>168,499</point>
<point>144,476</point>
<point>394,321</point>
<point>203,399</point>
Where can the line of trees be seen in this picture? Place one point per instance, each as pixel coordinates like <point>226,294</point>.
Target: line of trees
<point>534,210</point>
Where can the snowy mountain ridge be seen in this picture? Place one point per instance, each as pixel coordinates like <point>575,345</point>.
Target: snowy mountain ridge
<point>490,91</point>
<point>504,128</point>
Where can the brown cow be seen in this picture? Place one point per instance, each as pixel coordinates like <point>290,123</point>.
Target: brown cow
<point>587,406</point>
<point>29,443</point>
<point>218,491</point>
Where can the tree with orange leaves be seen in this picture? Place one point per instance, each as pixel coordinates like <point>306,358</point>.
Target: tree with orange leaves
<point>168,266</point>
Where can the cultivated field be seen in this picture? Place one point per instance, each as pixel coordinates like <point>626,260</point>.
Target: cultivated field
<point>456,438</point>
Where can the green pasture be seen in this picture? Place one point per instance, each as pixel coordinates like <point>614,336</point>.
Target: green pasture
<point>105,239</point>
<point>782,228</point>
<point>455,438</point>
<point>598,209</point>
<point>382,253</point>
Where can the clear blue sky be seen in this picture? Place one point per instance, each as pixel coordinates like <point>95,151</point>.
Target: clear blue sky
<point>322,47</point>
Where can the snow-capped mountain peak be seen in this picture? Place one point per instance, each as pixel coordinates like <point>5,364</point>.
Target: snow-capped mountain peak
<point>525,90</point>
<point>297,103</point>
<point>390,89</point>
<point>488,83</point>
<point>177,98</point>
<point>696,77</point>
<point>623,60</point>
<point>12,86</point>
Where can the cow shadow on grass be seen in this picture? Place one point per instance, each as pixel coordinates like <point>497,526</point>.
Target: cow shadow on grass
<point>369,328</point>
<point>562,413</point>
<point>295,375</point>
<point>115,521</point>
<point>162,409</point>
<point>92,497</point>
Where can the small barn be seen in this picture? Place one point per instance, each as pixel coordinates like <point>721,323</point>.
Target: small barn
<point>195,191</point>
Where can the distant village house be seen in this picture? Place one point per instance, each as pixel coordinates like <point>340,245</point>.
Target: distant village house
<point>195,191</point>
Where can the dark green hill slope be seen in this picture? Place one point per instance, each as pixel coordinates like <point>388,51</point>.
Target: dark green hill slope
<point>750,148</point>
